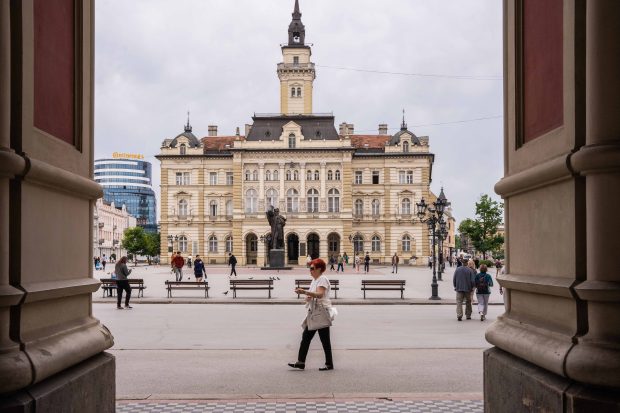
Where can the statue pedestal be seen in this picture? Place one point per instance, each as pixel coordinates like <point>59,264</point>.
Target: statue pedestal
<point>276,260</point>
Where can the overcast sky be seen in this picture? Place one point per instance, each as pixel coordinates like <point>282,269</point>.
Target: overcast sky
<point>157,59</point>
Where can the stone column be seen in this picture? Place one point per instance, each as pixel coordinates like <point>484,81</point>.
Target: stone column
<point>323,194</point>
<point>282,197</point>
<point>261,181</point>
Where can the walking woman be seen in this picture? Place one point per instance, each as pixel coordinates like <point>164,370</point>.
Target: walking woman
<point>483,281</point>
<point>122,272</point>
<point>319,290</point>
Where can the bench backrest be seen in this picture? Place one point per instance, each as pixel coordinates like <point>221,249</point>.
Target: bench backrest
<point>306,283</point>
<point>200,283</point>
<point>251,282</point>
<point>113,280</point>
<point>383,282</point>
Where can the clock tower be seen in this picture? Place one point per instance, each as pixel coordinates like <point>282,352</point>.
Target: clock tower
<point>296,72</point>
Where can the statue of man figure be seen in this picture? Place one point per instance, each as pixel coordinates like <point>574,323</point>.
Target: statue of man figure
<point>277,223</point>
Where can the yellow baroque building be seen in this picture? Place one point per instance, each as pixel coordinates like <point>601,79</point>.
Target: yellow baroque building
<point>340,192</point>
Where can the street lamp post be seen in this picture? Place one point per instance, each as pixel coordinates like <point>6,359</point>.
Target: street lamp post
<point>433,217</point>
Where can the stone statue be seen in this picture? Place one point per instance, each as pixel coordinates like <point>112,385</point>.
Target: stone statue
<point>277,223</point>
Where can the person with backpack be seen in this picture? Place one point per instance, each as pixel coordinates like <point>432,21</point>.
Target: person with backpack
<point>483,283</point>
<point>232,263</point>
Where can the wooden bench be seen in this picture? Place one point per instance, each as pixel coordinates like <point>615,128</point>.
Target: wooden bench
<point>384,285</point>
<point>334,285</point>
<point>251,285</point>
<point>187,285</point>
<point>108,286</point>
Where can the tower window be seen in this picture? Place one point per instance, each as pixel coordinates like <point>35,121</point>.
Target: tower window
<point>295,60</point>
<point>296,37</point>
<point>292,92</point>
<point>298,92</point>
<point>291,141</point>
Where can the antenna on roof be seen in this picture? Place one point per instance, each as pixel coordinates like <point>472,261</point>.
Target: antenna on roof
<point>188,127</point>
<point>403,125</point>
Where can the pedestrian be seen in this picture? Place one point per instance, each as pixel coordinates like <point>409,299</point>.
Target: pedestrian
<point>316,295</point>
<point>357,262</point>
<point>367,262</point>
<point>103,263</point>
<point>340,263</point>
<point>177,265</point>
<point>483,283</point>
<point>232,262</point>
<point>395,261</point>
<point>346,258</point>
<point>308,259</point>
<point>332,261</point>
<point>189,261</point>
<point>472,267</point>
<point>430,262</point>
<point>459,262</point>
<point>463,282</point>
<point>122,284</point>
<point>498,266</point>
<point>477,262</point>
<point>199,269</point>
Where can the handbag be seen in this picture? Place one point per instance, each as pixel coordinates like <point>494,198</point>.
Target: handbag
<point>318,316</point>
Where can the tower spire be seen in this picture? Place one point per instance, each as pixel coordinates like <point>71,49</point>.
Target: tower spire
<point>403,126</point>
<point>188,127</point>
<point>296,30</point>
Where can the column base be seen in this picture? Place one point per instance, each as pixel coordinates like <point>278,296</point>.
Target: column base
<point>514,385</point>
<point>86,387</point>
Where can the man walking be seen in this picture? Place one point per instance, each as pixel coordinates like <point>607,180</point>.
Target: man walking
<point>177,266</point>
<point>122,284</point>
<point>232,261</point>
<point>366,263</point>
<point>340,264</point>
<point>395,261</point>
<point>463,281</point>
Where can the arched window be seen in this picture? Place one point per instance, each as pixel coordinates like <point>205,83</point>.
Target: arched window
<point>295,175</point>
<point>333,200</point>
<point>276,175</point>
<point>183,243</point>
<point>292,200</point>
<point>317,176</point>
<point>405,146</point>
<point>229,208</point>
<point>308,175</point>
<point>313,200</point>
<point>376,244</point>
<point>405,206</point>
<point>212,243</point>
<point>272,198</point>
<point>291,141</point>
<point>289,175</point>
<point>229,244</point>
<point>183,208</point>
<point>248,175</point>
<point>359,207</point>
<point>268,175</point>
<point>251,200</point>
<point>330,175</point>
<point>213,208</point>
<point>292,92</point>
<point>255,176</point>
<point>182,149</point>
<point>406,243</point>
<point>337,175</point>
<point>298,92</point>
<point>375,207</point>
<point>358,244</point>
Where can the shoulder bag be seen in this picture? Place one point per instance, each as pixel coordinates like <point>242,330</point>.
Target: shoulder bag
<point>318,316</point>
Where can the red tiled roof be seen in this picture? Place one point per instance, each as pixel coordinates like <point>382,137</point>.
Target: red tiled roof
<point>373,141</point>
<point>218,143</point>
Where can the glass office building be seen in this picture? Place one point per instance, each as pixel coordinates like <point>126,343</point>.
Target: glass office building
<point>128,182</point>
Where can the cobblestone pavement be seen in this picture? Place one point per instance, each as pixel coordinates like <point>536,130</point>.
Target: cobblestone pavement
<point>418,406</point>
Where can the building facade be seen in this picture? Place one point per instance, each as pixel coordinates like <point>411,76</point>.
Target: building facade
<point>339,191</point>
<point>109,224</point>
<point>126,180</point>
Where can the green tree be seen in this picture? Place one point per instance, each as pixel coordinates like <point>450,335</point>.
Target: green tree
<point>152,244</point>
<point>482,231</point>
<point>457,242</point>
<point>134,241</point>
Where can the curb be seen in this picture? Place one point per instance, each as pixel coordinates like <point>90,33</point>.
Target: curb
<point>275,301</point>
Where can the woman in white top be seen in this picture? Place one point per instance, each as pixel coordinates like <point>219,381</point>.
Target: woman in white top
<point>319,289</point>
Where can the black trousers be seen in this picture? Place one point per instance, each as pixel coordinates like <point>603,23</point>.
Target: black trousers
<point>366,266</point>
<point>307,337</point>
<point>233,270</point>
<point>120,286</point>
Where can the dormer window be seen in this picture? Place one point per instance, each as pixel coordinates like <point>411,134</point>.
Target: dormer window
<point>405,146</point>
<point>291,141</point>
<point>295,60</point>
<point>182,149</point>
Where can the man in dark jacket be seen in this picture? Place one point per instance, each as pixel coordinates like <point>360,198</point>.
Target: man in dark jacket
<point>177,266</point>
<point>232,261</point>
<point>463,281</point>
<point>367,262</point>
<point>199,269</point>
<point>122,272</point>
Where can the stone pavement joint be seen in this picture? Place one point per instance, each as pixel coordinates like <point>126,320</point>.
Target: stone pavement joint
<point>383,406</point>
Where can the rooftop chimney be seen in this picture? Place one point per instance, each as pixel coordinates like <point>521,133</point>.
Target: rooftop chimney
<point>237,131</point>
<point>248,127</point>
<point>383,129</point>
<point>212,130</point>
<point>345,128</point>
